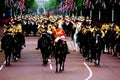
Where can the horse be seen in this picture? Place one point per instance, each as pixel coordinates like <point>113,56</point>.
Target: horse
<point>113,41</point>
<point>107,40</point>
<point>7,44</point>
<point>81,41</point>
<point>19,42</point>
<point>87,45</point>
<point>45,43</point>
<point>75,36</point>
<point>96,48</point>
<point>117,47</point>
<point>61,50</point>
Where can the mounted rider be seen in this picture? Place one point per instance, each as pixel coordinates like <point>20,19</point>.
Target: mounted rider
<point>59,33</point>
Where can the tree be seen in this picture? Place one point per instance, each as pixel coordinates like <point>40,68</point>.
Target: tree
<point>52,5</point>
<point>79,4</point>
<point>31,4</point>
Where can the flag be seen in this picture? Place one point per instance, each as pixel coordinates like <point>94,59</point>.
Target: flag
<point>66,6</point>
<point>60,6</point>
<point>96,2</point>
<point>84,2</point>
<point>103,5</point>
<point>20,4</point>
<point>67,1</point>
<point>63,7</point>
<point>72,8</point>
<point>115,2</point>
<point>70,1</point>
<point>118,2</point>
<point>9,3</point>
<point>88,4</point>
<point>111,1</point>
<point>100,1</point>
<point>70,4</point>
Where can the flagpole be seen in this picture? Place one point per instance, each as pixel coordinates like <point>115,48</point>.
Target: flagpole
<point>81,12</point>
<point>90,13</point>
<point>66,13</point>
<point>21,12</point>
<point>112,15</point>
<point>99,14</point>
<point>11,11</point>
<point>69,13</point>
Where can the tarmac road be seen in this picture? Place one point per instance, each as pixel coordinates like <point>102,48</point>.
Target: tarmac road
<point>30,67</point>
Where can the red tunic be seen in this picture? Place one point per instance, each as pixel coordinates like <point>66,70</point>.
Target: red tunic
<point>59,34</point>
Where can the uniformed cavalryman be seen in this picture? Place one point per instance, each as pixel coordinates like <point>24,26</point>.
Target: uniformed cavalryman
<point>116,27</point>
<point>118,33</point>
<point>100,31</point>
<point>18,28</point>
<point>5,28</point>
<point>105,27</point>
<point>117,41</point>
<point>41,29</point>
<point>9,28</point>
<point>60,34</point>
<point>88,29</point>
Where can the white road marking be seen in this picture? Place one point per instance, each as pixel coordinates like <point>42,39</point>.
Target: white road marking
<point>2,65</point>
<point>90,71</point>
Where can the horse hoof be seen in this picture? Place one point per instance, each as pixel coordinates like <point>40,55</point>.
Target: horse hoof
<point>37,48</point>
<point>8,64</point>
<point>57,72</point>
<point>95,63</point>
<point>60,71</point>
<point>44,64</point>
<point>15,60</point>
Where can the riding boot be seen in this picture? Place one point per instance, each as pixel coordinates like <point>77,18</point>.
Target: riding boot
<point>66,47</point>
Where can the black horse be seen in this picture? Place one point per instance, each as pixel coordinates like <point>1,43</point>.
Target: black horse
<point>7,44</point>
<point>117,47</point>
<point>45,43</point>
<point>87,45</point>
<point>19,42</point>
<point>96,48</point>
<point>61,50</point>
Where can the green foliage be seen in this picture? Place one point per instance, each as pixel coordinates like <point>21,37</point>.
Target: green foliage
<point>52,5</point>
<point>31,4</point>
<point>34,6</point>
<point>80,4</point>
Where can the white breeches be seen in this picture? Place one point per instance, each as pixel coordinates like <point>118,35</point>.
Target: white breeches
<point>76,45</point>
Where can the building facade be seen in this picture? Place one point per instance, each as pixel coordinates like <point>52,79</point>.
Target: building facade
<point>41,8</point>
